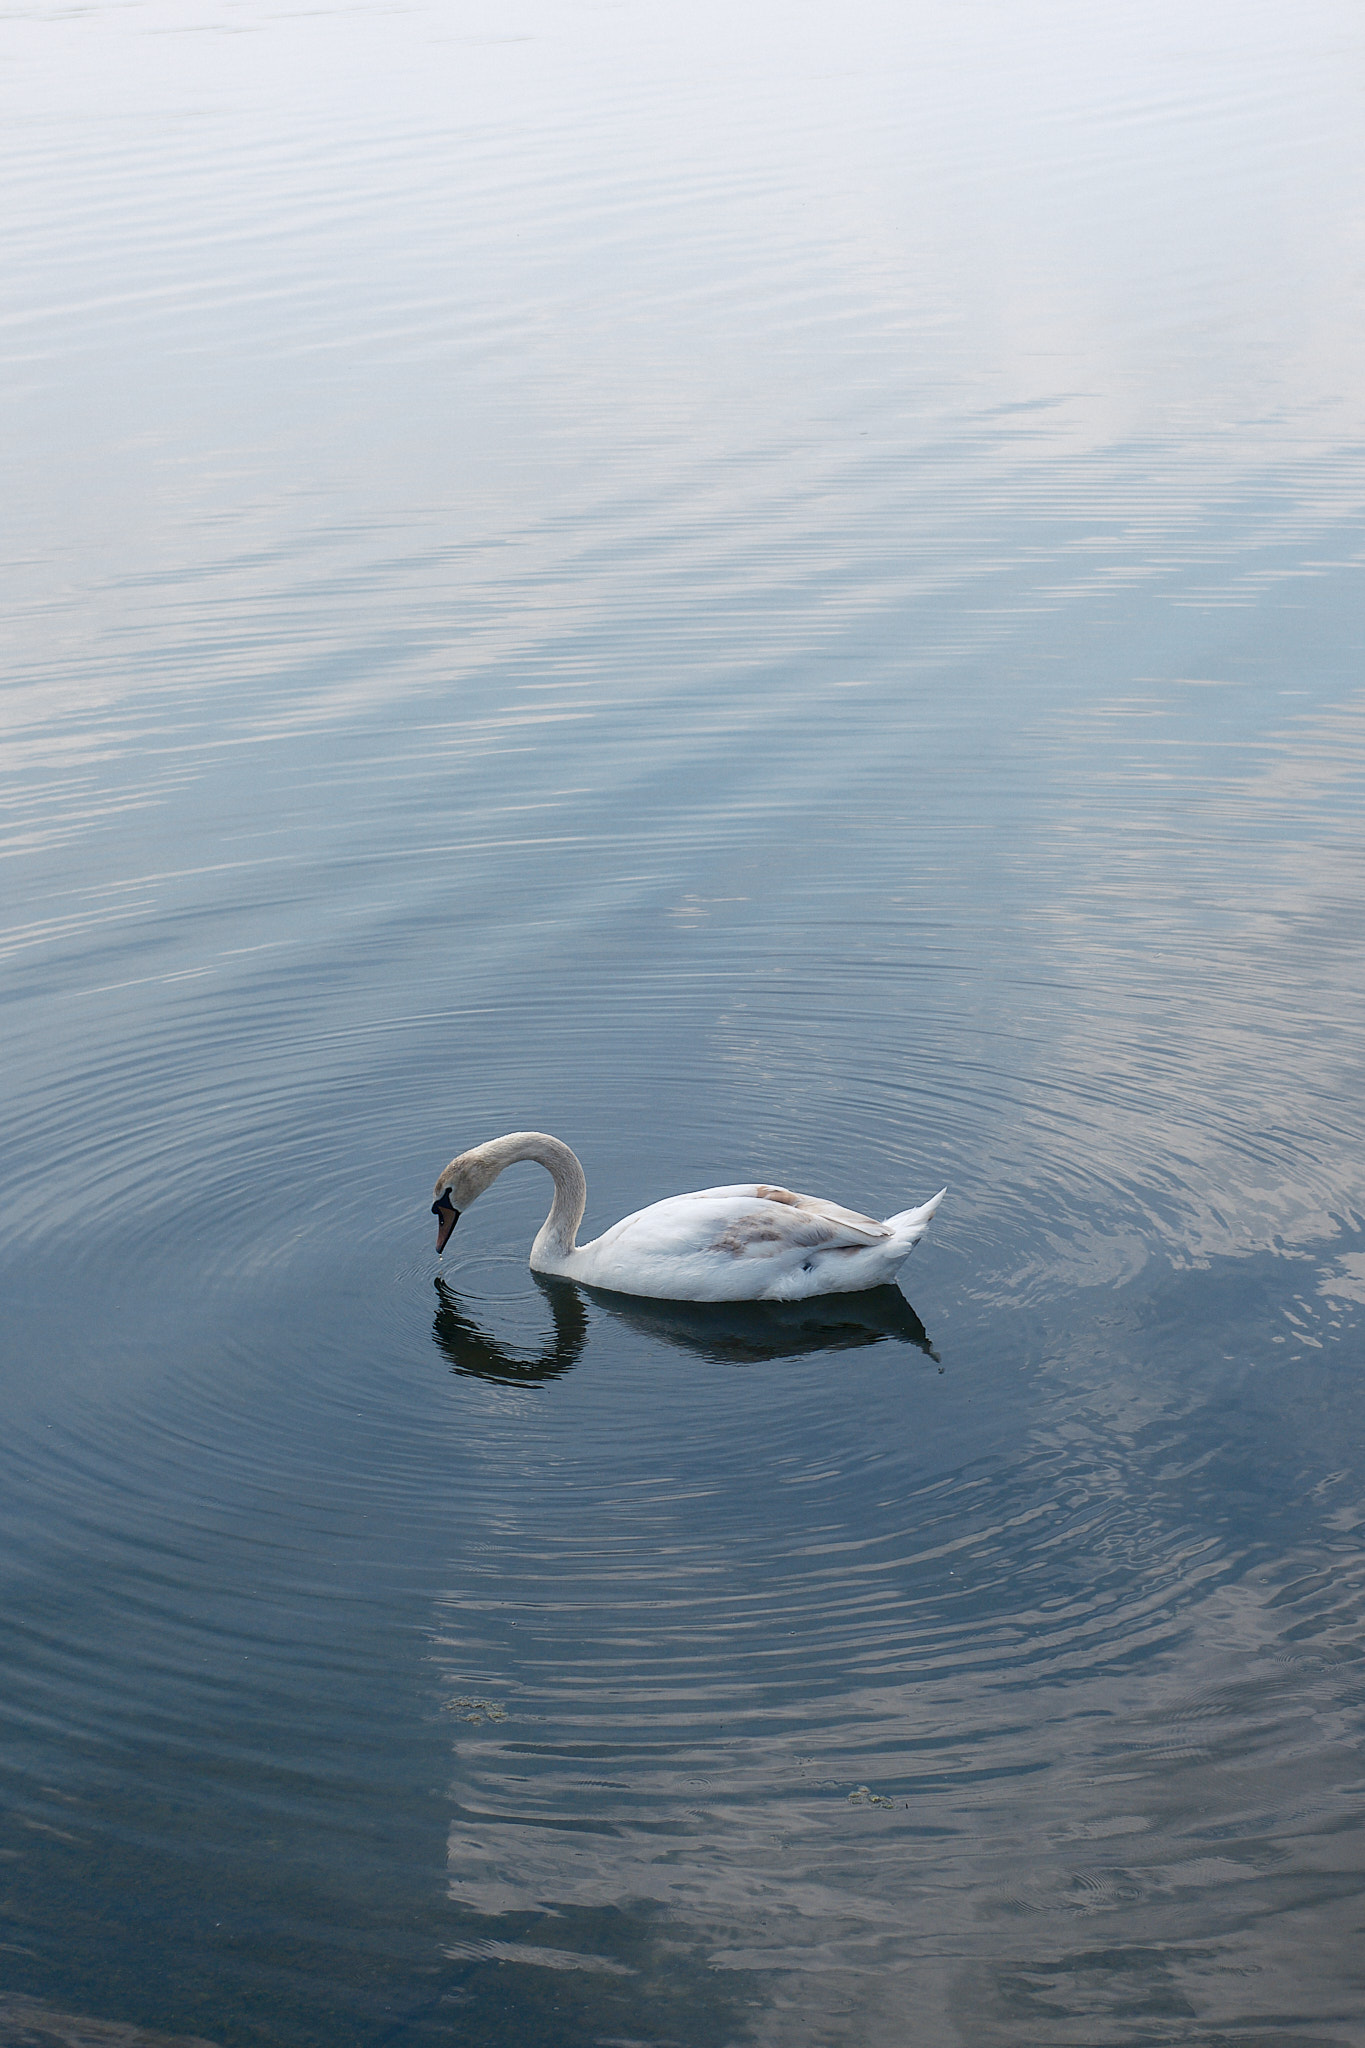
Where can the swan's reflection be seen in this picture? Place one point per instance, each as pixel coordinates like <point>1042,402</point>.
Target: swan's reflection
<point>748,1332</point>
<point>471,1350</point>
<point>735,1333</point>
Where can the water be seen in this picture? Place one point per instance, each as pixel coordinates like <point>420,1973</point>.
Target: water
<point>775,595</point>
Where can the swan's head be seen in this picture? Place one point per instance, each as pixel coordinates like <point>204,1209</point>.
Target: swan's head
<point>463,1181</point>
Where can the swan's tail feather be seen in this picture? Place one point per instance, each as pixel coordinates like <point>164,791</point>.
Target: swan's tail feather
<point>913,1223</point>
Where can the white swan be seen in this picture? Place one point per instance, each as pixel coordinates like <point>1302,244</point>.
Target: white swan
<point>746,1243</point>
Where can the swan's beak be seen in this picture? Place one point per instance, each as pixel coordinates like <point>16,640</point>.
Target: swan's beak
<point>447,1216</point>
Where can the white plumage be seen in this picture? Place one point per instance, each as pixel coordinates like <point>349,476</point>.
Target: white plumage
<point>750,1242</point>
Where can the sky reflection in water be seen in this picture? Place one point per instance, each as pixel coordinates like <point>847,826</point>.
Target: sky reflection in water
<point>776,595</point>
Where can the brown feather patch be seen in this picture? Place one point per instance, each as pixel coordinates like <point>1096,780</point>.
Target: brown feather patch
<point>753,1229</point>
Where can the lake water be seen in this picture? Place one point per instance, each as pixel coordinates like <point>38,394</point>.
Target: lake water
<point>776,592</point>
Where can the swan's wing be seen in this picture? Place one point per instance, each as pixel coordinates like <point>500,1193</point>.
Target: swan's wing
<point>742,1223</point>
<point>867,1227</point>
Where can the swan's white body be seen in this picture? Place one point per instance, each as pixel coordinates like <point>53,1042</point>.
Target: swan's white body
<point>750,1242</point>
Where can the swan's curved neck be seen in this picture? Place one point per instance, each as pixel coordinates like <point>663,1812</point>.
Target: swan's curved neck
<point>555,1239</point>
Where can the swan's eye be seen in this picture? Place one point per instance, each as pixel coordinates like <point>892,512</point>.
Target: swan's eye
<point>442,1201</point>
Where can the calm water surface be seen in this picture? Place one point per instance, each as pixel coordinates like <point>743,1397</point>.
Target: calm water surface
<point>777,594</point>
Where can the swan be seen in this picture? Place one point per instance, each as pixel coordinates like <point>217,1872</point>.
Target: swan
<point>745,1243</point>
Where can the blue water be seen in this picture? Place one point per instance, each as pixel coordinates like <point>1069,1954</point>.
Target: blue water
<point>777,595</point>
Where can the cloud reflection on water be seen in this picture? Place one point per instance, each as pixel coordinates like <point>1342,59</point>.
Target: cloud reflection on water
<point>1077,1720</point>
